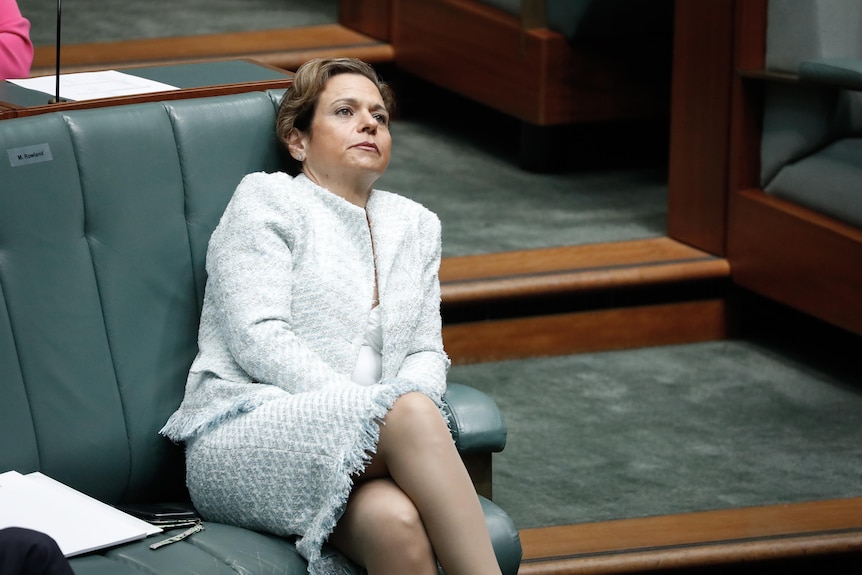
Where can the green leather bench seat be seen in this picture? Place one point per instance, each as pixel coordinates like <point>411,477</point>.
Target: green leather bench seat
<point>105,215</point>
<point>842,72</point>
<point>812,130</point>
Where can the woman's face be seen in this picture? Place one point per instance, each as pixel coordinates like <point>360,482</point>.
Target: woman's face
<point>349,142</point>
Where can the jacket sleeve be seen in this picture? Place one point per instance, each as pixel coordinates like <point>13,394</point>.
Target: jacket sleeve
<point>426,364</point>
<point>16,49</point>
<point>250,267</point>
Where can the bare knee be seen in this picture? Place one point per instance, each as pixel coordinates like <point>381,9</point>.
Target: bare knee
<point>415,410</point>
<point>415,425</point>
<point>382,530</point>
<point>402,535</point>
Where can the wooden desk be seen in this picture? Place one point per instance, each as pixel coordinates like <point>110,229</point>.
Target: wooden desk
<point>194,80</point>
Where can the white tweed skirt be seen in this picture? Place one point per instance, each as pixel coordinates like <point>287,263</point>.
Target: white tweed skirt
<point>287,467</point>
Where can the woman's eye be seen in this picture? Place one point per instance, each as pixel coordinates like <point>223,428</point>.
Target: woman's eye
<point>381,118</point>
<point>343,112</point>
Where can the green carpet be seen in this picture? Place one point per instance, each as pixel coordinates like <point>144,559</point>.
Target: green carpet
<point>487,204</point>
<point>111,20</point>
<point>460,160</point>
<point>675,429</point>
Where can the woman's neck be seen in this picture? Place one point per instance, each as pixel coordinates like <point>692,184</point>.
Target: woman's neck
<point>355,192</point>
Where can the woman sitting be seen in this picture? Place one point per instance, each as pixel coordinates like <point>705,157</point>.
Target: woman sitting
<point>313,407</point>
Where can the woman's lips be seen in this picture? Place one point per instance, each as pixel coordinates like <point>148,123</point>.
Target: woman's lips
<point>370,146</point>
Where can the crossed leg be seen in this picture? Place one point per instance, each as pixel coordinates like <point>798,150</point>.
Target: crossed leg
<point>415,502</point>
<point>381,530</point>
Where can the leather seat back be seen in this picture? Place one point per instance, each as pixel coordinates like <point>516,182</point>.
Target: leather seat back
<point>105,215</point>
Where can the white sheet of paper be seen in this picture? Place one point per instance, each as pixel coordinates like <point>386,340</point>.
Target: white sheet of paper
<point>77,522</point>
<point>93,85</point>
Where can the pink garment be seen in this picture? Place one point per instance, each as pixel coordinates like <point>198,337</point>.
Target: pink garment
<point>16,49</point>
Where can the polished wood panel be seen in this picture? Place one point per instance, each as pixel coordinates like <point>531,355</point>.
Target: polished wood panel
<point>284,48</point>
<point>370,17</point>
<point>588,331</point>
<point>700,116</point>
<point>694,539</point>
<point>571,269</point>
<point>534,74</point>
<point>796,256</point>
<point>747,118</point>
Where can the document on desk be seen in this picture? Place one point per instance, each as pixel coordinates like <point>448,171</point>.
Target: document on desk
<point>93,85</point>
<point>77,522</point>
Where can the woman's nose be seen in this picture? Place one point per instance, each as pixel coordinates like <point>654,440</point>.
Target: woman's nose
<point>367,121</point>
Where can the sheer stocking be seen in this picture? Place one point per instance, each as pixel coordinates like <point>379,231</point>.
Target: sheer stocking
<point>417,457</point>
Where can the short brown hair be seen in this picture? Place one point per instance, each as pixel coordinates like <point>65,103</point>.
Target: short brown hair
<point>300,100</point>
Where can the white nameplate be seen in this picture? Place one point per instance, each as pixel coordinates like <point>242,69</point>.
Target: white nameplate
<point>30,155</point>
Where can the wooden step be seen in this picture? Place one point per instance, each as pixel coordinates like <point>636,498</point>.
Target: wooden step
<point>282,48</point>
<point>690,540</point>
<point>585,332</point>
<point>576,299</point>
<point>572,269</point>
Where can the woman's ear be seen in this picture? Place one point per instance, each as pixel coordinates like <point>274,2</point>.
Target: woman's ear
<point>296,144</point>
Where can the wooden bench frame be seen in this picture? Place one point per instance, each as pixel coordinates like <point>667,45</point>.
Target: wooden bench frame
<point>516,65</point>
<point>784,251</point>
<point>286,49</point>
<point>525,69</point>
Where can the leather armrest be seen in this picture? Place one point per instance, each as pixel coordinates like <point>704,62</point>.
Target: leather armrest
<point>504,537</point>
<point>840,72</point>
<point>476,422</point>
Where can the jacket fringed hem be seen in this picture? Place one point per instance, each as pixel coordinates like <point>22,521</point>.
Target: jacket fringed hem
<point>184,428</point>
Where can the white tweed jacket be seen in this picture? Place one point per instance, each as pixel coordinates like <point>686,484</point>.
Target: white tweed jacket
<point>290,287</point>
